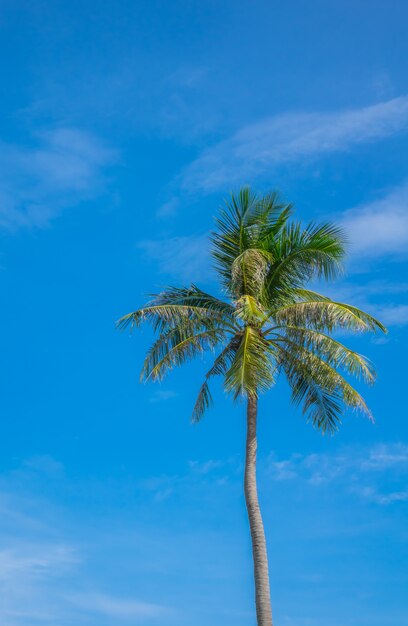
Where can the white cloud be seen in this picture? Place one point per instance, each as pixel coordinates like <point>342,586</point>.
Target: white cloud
<point>258,148</point>
<point>39,179</point>
<point>44,464</point>
<point>43,569</point>
<point>35,560</point>
<point>168,208</point>
<point>370,473</point>
<point>162,395</point>
<point>28,574</point>
<point>381,227</point>
<point>212,465</point>
<point>386,456</point>
<point>393,315</point>
<point>121,608</point>
<point>374,495</point>
<point>183,258</point>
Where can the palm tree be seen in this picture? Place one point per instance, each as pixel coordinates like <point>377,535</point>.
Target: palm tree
<point>269,323</point>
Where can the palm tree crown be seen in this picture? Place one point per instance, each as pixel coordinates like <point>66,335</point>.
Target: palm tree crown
<point>270,322</point>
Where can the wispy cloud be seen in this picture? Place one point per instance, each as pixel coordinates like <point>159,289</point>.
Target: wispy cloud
<point>324,467</point>
<point>48,581</point>
<point>36,560</point>
<point>386,456</point>
<point>256,150</point>
<point>379,228</point>
<point>213,465</point>
<point>28,575</point>
<point>381,298</point>
<point>183,258</point>
<point>120,608</point>
<point>393,315</point>
<point>162,395</point>
<point>210,472</point>
<point>56,169</point>
<point>43,566</point>
<point>371,473</point>
<point>186,108</point>
<point>374,495</point>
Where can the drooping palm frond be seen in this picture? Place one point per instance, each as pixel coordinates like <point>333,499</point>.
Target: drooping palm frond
<point>327,315</point>
<point>177,305</point>
<point>162,317</point>
<point>333,352</point>
<point>175,347</point>
<point>192,296</point>
<point>219,367</point>
<point>321,389</point>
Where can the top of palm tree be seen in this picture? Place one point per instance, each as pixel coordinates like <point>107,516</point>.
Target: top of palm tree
<point>269,322</point>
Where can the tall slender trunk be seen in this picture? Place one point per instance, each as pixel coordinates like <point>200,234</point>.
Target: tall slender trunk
<point>260,557</point>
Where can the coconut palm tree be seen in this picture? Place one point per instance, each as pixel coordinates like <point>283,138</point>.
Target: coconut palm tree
<point>269,322</point>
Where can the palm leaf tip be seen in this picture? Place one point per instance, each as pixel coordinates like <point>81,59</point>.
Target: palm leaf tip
<point>124,322</point>
<point>203,402</point>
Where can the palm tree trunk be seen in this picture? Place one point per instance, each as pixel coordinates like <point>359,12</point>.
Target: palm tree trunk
<point>259,554</point>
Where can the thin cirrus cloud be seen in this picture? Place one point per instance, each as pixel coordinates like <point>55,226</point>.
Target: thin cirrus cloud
<point>184,258</point>
<point>379,228</point>
<point>163,395</point>
<point>43,577</point>
<point>41,178</point>
<point>256,149</point>
<point>377,474</point>
<point>119,608</point>
<point>28,572</point>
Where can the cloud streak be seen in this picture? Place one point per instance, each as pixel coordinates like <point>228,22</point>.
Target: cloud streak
<point>374,474</point>
<point>119,608</point>
<point>45,572</point>
<point>38,180</point>
<point>379,228</point>
<point>257,149</point>
<point>183,258</point>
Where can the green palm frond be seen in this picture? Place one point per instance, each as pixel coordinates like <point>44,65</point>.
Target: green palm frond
<point>231,237</point>
<point>176,346</point>
<point>203,402</point>
<point>304,253</point>
<point>248,272</point>
<point>162,316</point>
<point>220,366</point>
<point>301,294</point>
<point>332,351</point>
<point>176,306</point>
<point>268,215</point>
<point>252,369</point>
<point>192,296</point>
<point>249,222</point>
<point>327,315</point>
<point>320,387</point>
<point>248,309</point>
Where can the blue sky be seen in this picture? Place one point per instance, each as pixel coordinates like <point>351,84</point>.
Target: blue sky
<point>123,125</point>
